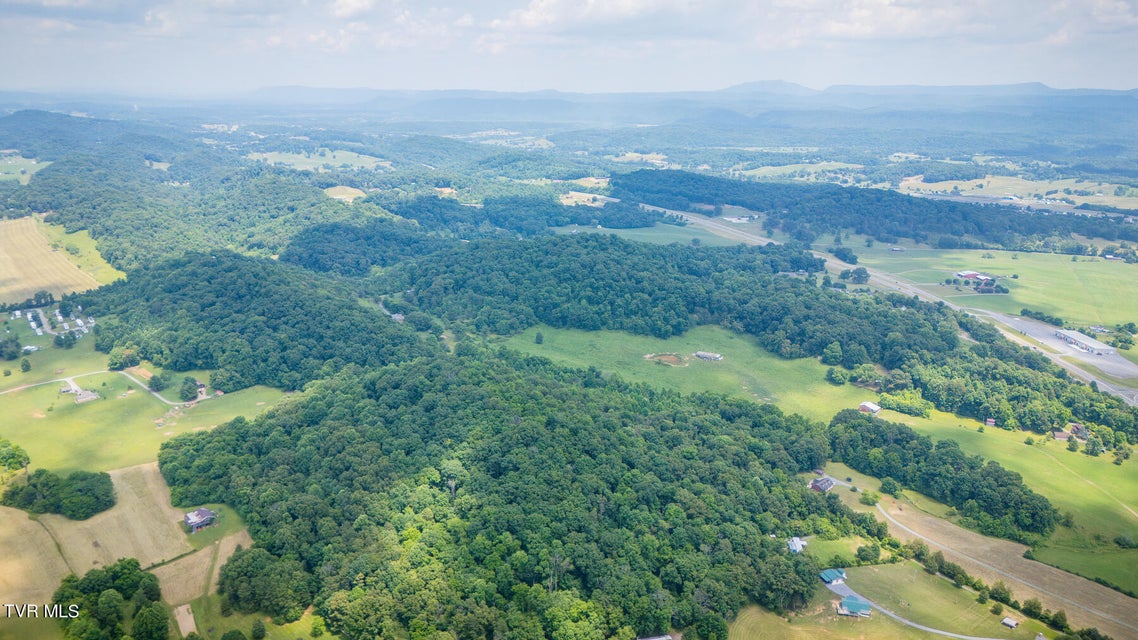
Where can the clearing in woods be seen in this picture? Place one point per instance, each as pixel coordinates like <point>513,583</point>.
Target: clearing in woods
<point>142,524</point>
<point>344,194</point>
<point>195,575</point>
<point>30,264</point>
<point>322,160</point>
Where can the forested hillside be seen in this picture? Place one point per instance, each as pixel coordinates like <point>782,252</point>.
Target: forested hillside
<point>597,282</point>
<point>251,321</point>
<point>808,211</point>
<point>492,495</point>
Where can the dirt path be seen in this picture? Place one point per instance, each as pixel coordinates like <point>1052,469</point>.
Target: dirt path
<point>1087,604</point>
<point>185,617</point>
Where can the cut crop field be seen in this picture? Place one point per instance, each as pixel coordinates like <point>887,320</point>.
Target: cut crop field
<point>195,575</point>
<point>1102,497</point>
<point>746,370</point>
<point>81,249</point>
<point>910,592</point>
<point>323,160</point>
<point>142,524</point>
<point>28,264</point>
<point>30,565</point>
<point>992,559</point>
<point>1089,291</point>
<point>123,428</point>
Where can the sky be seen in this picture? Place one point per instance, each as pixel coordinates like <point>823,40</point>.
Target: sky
<point>217,47</point>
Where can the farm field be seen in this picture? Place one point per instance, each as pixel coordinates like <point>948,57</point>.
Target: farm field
<point>658,234</point>
<point>81,249</point>
<point>120,430</point>
<point>992,559</point>
<point>907,590</point>
<point>29,264</point>
<point>13,166</point>
<point>1090,291</point>
<point>809,171</point>
<point>746,371</point>
<point>1099,192</point>
<point>1103,497</point>
<point>195,575</point>
<point>347,194</point>
<point>48,363</point>
<point>322,159</point>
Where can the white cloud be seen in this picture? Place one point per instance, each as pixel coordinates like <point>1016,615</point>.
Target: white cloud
<point>351,8</point>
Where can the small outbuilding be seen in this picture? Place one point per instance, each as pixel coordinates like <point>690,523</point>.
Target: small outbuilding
<point>796,544</point>
<point>854,606</point>
<point>709,356</point>
<point>869,407</point>
<point>1010,623</point>
<point>833,576</point>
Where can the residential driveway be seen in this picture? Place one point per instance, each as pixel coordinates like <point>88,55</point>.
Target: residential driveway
<point>845,590</point>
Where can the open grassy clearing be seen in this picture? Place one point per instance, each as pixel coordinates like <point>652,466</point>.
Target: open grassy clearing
<point>1044,190</point>
<point>806,171</point>
<point>746,371</point>
<point>1090,291</point>
<point>120,430</point>
<point>347,194</point>
<point>81,249</point>
<point>30,629</point>
<point>30,565</point>
<point>13,166</point>
<point>323,160</point>
<point>48,363</point>
<point>212,625</point>
<point>142,524</point>
<point>195,575</point>
<point>658,234</point>
<point>28,264</point>
<point>819,621</point>
<point>907,590</point>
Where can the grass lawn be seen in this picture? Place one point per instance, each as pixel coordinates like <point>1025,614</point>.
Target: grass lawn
<point>824,550</point>
<point>49,363</point>
<point>212,625</point>
<point>907,590</point>
<point>13,166</point>
<point>322,160</point>
<point>1090,291</point>
<point>658,234</point>
<point>818,621</point>
<point>120,430</point>
<point>746,371</point>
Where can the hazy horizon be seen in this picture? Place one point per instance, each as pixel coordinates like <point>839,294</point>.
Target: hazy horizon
<point>213,47</point>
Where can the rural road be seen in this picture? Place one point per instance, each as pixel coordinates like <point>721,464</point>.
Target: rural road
<point>1006,324</point>
<point>70,380</point>
<point>1011,576</point>
<point>845,590</point>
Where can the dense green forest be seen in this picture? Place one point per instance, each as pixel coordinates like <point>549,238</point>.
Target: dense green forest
<point>808,211</point>
<point>77,495</point>
<point>251,321</point>
<point>596,282</point>
<point>113,602</point>
<point>492,494</point>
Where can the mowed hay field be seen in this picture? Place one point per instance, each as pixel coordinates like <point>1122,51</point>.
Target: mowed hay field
<point>30,564</point>
<point>191,577</point>
<point>28,264</point>
<point>1089,291</point>
<point>142,524</point>
<point>746,370</point>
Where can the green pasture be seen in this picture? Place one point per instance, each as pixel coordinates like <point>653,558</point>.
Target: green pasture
<point>818,621</point>
<point>1101,496</point>
<point>910,592</point>
<point>1089,291</point>
<point>657,234</point>
<point>746,371</point>
<point>80,248</point>
<point>30,629</point>
<point>13,166</point>
<point>322,160</point>
<point>49,363</point>
<point>805,170</point>
<point>212,625</point>
<point>123,428</point>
